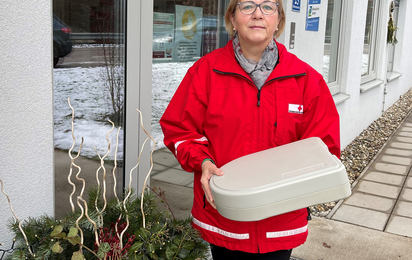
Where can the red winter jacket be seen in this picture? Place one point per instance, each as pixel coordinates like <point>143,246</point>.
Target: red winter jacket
<point>217,112</point>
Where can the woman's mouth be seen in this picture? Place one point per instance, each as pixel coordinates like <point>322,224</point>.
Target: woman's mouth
<point>257,27</point>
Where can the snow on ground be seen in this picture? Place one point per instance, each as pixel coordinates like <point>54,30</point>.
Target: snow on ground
<point>84,87</point>
<point>88,98</point>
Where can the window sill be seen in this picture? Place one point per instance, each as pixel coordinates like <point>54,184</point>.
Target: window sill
<point>370,85</point>
<point>340,98</point>
<point>393,75</point>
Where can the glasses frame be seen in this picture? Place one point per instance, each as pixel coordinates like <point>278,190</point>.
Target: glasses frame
<point>258,5</point>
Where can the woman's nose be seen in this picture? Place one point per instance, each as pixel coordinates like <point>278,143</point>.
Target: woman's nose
<point>258,13</point>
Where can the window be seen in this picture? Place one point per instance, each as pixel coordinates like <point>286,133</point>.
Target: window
<point>394,12</point>
<point>370,45</point>
<point>332,45</point>
<point>183,31</point>
<point>89,69</point>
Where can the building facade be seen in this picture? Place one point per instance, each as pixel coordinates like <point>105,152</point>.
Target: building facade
<point>346,41</point>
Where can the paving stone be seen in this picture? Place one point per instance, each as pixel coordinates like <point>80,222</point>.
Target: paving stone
<point>398,152</point>
<point>400,145</point>
<point>407,124</point>
<point>403,139</point>
<point>405,128</point>
<point>178,167</point>
<point>374,188</point>
<point>164,157</point>
<point>159,168</point>
<point>190,185</point>
<point>406,194</point>
<point>371,202</point>
<point>386,178</point>
<point>174,176</point>
<point>403,208</point>
<point>395,159</point>
<point>409,182</point>
<point>397,225</point>
<point>404,133</point>
<point>362,217</point>
<point>391,168</point>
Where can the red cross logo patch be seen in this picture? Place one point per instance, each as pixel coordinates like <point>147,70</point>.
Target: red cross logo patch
<point>295,108</point>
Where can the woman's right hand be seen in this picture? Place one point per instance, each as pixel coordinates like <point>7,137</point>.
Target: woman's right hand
<point>208,170</point>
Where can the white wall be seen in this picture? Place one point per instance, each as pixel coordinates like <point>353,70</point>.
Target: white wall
<point>309,45</point>
<point>361,109</point>
<point>26,125</point>
<point>403,55</point>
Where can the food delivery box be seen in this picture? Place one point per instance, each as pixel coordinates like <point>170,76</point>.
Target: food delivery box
<point>279,180</point>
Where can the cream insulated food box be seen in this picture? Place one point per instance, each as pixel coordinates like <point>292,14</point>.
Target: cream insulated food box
<point>279,180</point>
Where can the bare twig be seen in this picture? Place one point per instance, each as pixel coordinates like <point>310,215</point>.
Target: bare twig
<point>151,164</point>
<point>72,161</point>
<point>17,219</point>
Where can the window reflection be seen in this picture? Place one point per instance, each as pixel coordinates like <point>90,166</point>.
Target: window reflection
<point>369,39</point>
<point>391,47</point>
<point>331,49</point>
<point>183,31</point>
<point>92,76</point>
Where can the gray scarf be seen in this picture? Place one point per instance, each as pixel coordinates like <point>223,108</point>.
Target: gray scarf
<point>258,71</point>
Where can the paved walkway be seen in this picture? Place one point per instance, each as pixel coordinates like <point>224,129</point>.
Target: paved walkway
<point>382,197</point>
<point>375,222</point>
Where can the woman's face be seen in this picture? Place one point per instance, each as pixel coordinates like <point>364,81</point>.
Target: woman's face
<point>256,28</point>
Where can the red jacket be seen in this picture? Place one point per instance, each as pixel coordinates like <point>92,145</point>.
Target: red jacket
<point>217,112</point>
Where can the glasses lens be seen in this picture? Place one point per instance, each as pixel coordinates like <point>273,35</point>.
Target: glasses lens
<point>268,7</point>
<point>247,7</point>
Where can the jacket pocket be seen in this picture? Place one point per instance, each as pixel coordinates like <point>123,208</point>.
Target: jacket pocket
<point>289,116</point>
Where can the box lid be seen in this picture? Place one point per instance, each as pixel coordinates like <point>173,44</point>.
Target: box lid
<point>277,174</point>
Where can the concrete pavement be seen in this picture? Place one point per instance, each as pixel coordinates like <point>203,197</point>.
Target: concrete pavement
<point>375,222</point>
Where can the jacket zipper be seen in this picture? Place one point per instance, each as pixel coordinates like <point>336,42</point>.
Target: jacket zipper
<point>258,93</point>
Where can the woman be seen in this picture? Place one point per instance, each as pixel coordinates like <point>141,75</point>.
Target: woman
<point>248,96</point>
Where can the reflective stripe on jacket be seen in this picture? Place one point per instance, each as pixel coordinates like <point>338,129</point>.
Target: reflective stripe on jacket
<point>217,112</point>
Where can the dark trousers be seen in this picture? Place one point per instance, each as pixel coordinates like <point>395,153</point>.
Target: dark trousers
<point>222,253</point>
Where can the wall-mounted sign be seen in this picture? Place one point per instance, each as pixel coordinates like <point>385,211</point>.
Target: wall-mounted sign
<point>188,34</point>
<point>313,15</point>
<point>296,6</point>
<point>163,35</point>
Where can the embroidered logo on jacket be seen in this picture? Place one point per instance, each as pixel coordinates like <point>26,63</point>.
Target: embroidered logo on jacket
<point>296,109</point>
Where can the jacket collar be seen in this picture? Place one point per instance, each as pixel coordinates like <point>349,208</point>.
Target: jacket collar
<point>288,64</point>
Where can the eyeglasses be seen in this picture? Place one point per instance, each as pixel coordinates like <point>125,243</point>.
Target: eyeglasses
<point>249,7</point>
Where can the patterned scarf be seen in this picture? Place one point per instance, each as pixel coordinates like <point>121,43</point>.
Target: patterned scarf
<point>258,71</point>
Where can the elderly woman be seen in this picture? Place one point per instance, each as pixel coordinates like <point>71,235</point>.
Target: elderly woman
<point>248,96</point>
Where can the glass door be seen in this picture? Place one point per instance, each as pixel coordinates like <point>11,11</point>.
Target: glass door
<point>89,69</point>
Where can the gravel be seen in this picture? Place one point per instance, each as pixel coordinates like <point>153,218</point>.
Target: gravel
<point>359,153</point>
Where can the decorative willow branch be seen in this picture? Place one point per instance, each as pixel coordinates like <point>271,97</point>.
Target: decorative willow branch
<point>130,192</point>
<point>88,218</point>
<point>151,164</point>
<point>17,219</point>
<point>72,161</point>
<point>100,212</point>
<point>115,165</point>
<point>84,210</point>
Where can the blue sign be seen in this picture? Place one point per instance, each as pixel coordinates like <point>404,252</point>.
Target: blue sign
<point>313,15</point>
<point>296,6</point>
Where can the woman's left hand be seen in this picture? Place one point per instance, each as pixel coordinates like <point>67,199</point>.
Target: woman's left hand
<point>208,170</point>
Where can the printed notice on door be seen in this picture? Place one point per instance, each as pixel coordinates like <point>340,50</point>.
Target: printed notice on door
<point>188,33</point>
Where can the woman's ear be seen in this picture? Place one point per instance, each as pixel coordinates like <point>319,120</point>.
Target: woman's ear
<point>232,19</point>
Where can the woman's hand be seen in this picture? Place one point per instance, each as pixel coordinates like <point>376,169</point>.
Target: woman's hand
<point>208,170</point>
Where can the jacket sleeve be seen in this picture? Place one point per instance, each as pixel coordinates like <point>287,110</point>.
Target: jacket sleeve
<point>182,126</point>
<point>322,118</point>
